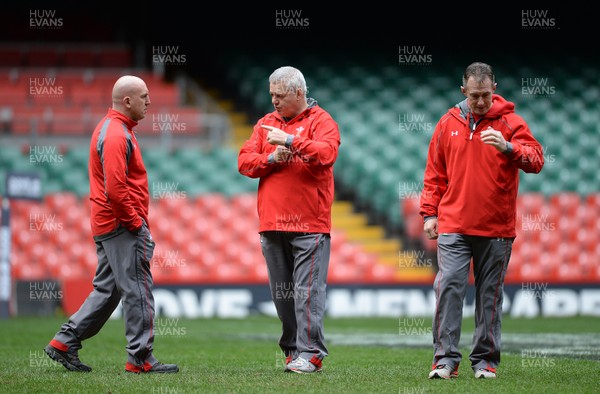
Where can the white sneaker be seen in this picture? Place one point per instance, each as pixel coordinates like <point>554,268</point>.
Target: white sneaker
<point>302,365</point>
<point>483,373</point>
<point>443,371</point>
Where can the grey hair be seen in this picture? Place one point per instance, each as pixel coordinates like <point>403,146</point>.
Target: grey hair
<point>290,77</point>
<point>480,71</point>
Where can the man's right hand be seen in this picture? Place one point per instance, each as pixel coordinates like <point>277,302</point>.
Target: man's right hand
<point>282,154</point>
<point>431,228</point>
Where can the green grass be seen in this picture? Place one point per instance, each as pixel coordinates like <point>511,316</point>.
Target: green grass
<point>242,356</point>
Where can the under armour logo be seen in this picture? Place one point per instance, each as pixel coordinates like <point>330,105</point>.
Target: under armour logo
<point>453,133</point>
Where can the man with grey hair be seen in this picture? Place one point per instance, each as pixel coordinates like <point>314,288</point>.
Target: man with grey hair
<point>292,151</point>
<point>119,219</point>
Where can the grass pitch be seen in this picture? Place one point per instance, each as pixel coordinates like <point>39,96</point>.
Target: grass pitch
<point>365,356</point>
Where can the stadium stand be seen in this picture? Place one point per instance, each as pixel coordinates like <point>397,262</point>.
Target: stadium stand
<point>386,115</point>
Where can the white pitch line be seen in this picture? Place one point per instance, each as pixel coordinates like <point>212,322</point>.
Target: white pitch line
<point>570,345</point>
<point>559,345</point>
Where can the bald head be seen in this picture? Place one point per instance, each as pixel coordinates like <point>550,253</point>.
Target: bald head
<point>130,96</point>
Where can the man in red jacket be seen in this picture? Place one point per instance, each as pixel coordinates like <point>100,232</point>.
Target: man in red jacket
<point>292,150</point>
<point>119,220</point>
<point>468,204</point>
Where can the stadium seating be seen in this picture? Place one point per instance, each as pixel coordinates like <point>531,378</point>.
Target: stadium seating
<point>64,89</point>
<point>209,238</point>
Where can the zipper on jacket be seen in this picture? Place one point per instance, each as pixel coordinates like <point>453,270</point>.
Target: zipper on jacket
<point>473,130</point>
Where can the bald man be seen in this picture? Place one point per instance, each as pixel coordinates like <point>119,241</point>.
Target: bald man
<point>119,199</point>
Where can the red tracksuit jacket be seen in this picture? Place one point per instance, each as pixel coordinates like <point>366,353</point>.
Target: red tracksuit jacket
<point>470,186</point>
<point>295,195</point>
<point>118,180</point>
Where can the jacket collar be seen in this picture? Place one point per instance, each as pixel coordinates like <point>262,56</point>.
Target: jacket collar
<point>130,123</point>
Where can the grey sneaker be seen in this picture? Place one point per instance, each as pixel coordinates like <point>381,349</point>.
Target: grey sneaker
<point>484,373</point>
<point>158,367</point>
<point>302,365</point>
<point>443,371</point>
<point>69,360</point>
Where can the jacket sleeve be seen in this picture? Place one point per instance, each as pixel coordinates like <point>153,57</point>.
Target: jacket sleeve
<point>116,153</point>
<point>252,161</point>
<point>322,148</point>
<point>435,179</point>
<point>527,153</point>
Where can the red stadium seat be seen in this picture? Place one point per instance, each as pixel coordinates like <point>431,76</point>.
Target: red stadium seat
<point>115,56</point>
<point>61,200</point>
<point>93,96</point>
<point>570,272</point>
<point>593,201</point>
<point>30,271</point>
<point>11,56</point>
<point>244,203</point>
<point>81,56</point>
<point>43,56</point>
<point>566,202</point>
<point>206,204</point>
<point>414,227</point>
<point>530,253</point>
<point>11,95</point>
<point>550,240</point>
<point>533,273</point>
<point>528,203</point>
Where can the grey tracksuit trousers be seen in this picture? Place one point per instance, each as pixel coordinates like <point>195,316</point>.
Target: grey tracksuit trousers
<point>490,258</point>
<point>123,274</point>
<point>297,265</point>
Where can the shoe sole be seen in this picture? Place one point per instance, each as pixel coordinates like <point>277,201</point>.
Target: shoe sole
<point>60,359</point>
<point>152,372</point>
<point>485,377</point>
<point>173,371</point>
<point>299,371</point>
<point>437,376</point>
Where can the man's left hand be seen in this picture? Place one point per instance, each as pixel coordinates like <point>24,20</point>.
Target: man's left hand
<point>494,138</point>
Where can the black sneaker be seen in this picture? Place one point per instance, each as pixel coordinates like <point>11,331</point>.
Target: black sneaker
<point>156,368</point>
<point>68,360</point>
